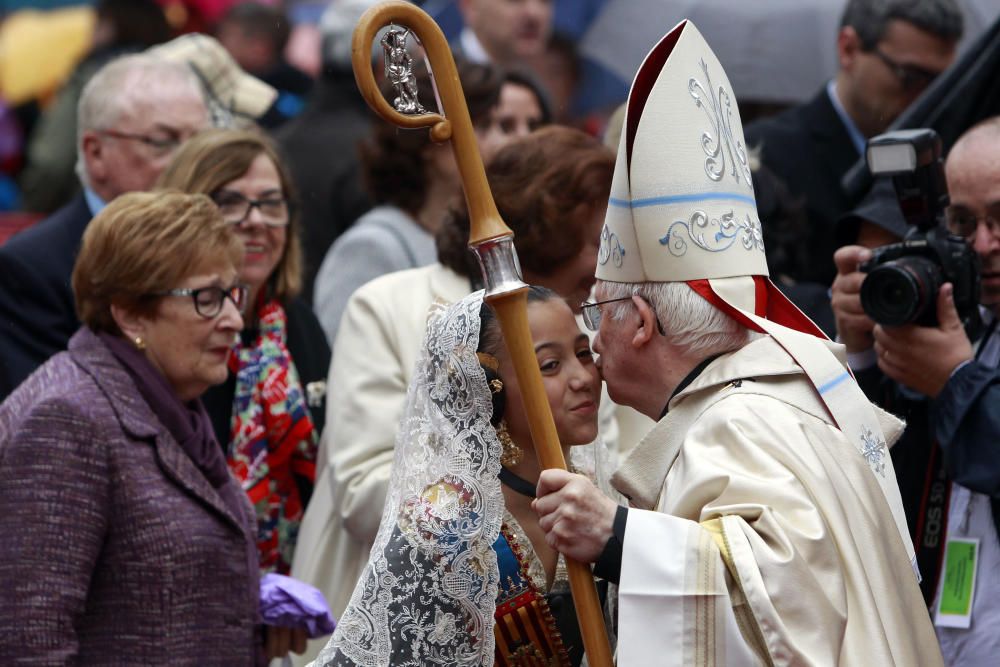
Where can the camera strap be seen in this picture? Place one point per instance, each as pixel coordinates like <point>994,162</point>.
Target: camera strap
<point>932,519</point>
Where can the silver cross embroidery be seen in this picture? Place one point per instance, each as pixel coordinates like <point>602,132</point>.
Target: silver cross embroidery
<point>873,449</point>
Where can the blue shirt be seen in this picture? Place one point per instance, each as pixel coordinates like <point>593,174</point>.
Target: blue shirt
<point>853,132</point>
<point>94,202</point>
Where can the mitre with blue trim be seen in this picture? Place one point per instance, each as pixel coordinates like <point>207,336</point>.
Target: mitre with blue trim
<point>682,209</point>
<point>682,205</point>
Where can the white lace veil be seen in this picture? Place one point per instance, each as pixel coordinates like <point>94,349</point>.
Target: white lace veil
<point>428,593</point>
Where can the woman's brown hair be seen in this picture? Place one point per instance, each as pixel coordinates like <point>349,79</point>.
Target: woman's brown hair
<point>146,242</point>
<point>392,159</point>
<point>213,158</point>
<point>545,185</point>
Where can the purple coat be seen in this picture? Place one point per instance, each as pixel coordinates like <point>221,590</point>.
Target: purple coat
<point>114,547</point>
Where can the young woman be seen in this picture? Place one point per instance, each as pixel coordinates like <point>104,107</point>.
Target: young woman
<point>460,572</point>
<point>552,184</point>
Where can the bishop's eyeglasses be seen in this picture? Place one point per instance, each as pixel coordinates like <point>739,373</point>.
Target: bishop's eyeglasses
<point>590,311</point>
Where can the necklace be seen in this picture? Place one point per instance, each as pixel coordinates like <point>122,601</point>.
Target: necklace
<point>515,483</point>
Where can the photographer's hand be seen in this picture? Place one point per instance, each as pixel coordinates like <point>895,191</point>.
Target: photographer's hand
<point>854,327</point>
<point>923,358</point>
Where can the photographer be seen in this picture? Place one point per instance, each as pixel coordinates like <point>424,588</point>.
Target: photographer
<point>949,389</point>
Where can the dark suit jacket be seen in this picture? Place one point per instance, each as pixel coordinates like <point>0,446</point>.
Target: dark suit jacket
<point>809,149</point>
<point>321,148</point>
<point>37,309</point>
<point>116,548</point>
<point>964,421</point>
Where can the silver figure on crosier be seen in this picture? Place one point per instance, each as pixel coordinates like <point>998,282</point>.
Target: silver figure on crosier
<point>399,72</point>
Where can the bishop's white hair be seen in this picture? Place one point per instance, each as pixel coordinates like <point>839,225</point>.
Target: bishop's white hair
<point>689,321</point>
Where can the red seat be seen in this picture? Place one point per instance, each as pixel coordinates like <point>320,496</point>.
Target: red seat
<point>13,222</point>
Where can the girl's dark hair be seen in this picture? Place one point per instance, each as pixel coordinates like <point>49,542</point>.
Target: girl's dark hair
<point>520,77</point>
<point>392,160</point>
<point>491,340</point>
<point>545,185</point>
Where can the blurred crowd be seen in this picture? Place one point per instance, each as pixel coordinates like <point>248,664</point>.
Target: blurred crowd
<point>239,256</point>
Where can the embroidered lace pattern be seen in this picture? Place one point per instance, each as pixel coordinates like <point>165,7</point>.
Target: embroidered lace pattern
<point>428,593</point>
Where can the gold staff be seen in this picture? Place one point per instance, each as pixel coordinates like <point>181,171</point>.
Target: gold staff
<point>490,238</point>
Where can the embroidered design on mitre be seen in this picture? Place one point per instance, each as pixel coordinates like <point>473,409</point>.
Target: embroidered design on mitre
<point>727,229</point>
<point>611,248</point>
<point>718,108</point>
<point>682,205</point>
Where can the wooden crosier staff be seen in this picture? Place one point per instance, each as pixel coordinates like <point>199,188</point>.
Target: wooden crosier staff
<point>490,238</point>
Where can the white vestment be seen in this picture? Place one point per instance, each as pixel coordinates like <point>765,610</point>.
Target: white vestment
<point>759,533</point>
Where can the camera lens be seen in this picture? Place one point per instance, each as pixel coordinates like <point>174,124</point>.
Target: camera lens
<point>901,291</point>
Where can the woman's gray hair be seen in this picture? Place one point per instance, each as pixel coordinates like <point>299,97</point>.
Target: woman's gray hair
<point>112,90</point>
<point>689,321</point>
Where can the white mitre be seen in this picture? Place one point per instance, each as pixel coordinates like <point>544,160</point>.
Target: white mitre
<point>682,205</point>
<point>682,209</point>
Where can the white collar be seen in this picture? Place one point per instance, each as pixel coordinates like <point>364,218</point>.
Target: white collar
<point>472,47</point>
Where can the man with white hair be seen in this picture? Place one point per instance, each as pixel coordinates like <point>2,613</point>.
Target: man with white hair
<point>764,523</point>
<point>132,115</point>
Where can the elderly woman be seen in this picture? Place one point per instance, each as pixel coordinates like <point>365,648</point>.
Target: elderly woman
<point>269,410</point>
<point>125,536</point>
<point>552,184</point>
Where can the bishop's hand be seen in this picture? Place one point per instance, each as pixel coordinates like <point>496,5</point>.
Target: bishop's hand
<point>577,518</point>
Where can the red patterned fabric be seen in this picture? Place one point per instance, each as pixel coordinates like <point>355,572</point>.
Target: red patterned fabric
<point>272,441</point>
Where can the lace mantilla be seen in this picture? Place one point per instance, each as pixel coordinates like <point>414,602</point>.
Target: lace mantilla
<point>428,593</point>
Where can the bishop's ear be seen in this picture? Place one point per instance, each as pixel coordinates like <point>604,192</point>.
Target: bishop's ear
<point>646,324</point>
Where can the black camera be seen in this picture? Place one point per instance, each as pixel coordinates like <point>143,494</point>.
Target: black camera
<point>904,278</point>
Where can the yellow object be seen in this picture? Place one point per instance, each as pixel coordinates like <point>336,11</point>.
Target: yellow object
<point>38,50</point>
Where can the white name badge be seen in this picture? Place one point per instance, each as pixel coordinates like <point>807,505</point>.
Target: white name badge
<point>958,583</point>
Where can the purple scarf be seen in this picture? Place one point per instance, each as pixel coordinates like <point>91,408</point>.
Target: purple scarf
<point>191,427</point>
<point>189,424</point>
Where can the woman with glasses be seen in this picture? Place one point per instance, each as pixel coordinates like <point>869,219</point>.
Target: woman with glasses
<point>125,536</point>
<point>269,411</point>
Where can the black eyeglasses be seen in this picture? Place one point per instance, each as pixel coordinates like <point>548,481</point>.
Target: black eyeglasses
<point>160,145</point>
<point>963,222</point>
<point>911,77</point>
<point>208,301</point>
<point>235,208</point>
<point>590,311</point>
